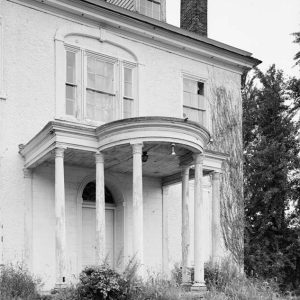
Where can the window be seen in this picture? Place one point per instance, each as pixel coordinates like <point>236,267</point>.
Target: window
<point>89,193</point>
<point>151,8</point>
<point>193,100</point>
<point>98,87</point>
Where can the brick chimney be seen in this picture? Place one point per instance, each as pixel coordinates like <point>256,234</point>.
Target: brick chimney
<point>193,16</point>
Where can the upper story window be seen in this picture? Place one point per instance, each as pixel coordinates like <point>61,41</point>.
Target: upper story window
<point>151,8</point>
<point>98,87</point>
<point>194,100</point>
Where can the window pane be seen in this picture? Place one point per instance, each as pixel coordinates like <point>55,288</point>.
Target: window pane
<point>128,90</point>
<point>91,65</point>
<point>127,108</point>
<point>127,75</point>
<point>70,92</point>
<point>193,114</point>
<point>70,109</point>
<point>100,75</point>
<point>100,107</point>
<point>91,80</point>
<point>200,88</point>
<point>71,73</point>
<point>156,11</point>
<point>128,83</point>
<point>70,100</point>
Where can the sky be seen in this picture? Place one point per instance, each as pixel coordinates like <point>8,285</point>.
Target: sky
<point>262,27</point>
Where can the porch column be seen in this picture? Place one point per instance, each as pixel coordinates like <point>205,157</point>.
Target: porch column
<point>165,232</point>
<point>199,283</point>
<point>216,224</point>
<point>28,226</point>
<point>60,228</point>
<point>185,228</point>
<point>137,206</point>
<point>100,209</point>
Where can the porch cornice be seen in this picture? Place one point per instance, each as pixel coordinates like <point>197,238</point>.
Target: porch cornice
<point>58,134</point>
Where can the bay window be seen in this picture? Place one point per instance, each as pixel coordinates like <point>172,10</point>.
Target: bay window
<point>98,87</point>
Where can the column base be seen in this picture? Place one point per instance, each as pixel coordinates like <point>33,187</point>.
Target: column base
<point>186,286</point>
<point>59,286</point>
<point>199,287</point>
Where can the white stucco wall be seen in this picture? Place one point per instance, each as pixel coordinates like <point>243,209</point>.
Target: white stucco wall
<point>29,80</point>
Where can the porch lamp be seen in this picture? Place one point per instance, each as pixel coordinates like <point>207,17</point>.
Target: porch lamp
<point>173,149</point>
<point>144,156</point>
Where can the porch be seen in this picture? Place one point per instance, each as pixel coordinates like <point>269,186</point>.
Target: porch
<point>167,149</point>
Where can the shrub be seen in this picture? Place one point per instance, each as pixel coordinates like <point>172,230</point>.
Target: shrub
<point>17,282</point>
<point>68,293</point>
<point>218,276</point>
<point>100,283</point>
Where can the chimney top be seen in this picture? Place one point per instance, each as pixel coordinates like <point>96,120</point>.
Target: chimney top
<point>193,16</point>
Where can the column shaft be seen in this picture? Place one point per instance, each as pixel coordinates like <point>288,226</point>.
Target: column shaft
<point>199,283</point>
<point>216,225</point>
<point>28,221</point>
<point>60,228</point>
<point>100,209</point>
<point>137,205</point>
<point>165,233</point>
<point>185,227</point>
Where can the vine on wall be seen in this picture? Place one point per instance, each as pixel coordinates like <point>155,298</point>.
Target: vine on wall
<point>226,113</point>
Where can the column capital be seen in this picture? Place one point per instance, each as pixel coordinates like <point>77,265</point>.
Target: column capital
<point>99,157</point>
<point>137,148</point>
<point>27,173</point>
<point>185,170</point>
<point>59,152</point>
<point>198,158</point>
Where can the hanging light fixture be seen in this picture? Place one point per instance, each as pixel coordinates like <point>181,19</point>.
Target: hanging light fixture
<point>144,156</point>
<point>173,149</point>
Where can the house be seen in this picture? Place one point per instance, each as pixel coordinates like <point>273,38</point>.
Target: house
<point>118,137</point>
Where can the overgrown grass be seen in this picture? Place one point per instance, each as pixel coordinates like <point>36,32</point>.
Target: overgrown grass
<point>224,282</point>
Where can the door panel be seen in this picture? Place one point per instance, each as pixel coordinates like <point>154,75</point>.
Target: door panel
<point>89,236</point>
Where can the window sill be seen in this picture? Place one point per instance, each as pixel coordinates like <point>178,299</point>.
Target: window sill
<point>80,121</point>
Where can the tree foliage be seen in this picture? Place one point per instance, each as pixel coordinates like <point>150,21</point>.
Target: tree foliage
<point>297,41</point>
<point>271,177</point>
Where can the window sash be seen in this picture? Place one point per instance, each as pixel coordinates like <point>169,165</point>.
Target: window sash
<point>71,86</point>
<point>103,93</point>
<point>194,100</point>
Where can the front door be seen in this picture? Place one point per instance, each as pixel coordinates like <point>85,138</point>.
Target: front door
<point>89,236</point>
<point>89,226</point>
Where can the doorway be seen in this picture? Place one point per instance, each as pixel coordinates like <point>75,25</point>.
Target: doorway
<point>89,226</point>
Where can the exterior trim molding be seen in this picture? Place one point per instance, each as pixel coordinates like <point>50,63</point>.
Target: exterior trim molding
<point>153,129</point>
<point>127,131</point>
<point>135,23</point>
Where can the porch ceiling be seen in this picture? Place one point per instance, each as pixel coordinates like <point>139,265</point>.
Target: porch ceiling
<point>118,159</point>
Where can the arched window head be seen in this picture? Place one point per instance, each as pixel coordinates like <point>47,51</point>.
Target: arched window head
<point>89,193</point>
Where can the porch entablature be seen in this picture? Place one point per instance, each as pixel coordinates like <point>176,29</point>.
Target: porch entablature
<point>157,135</point>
